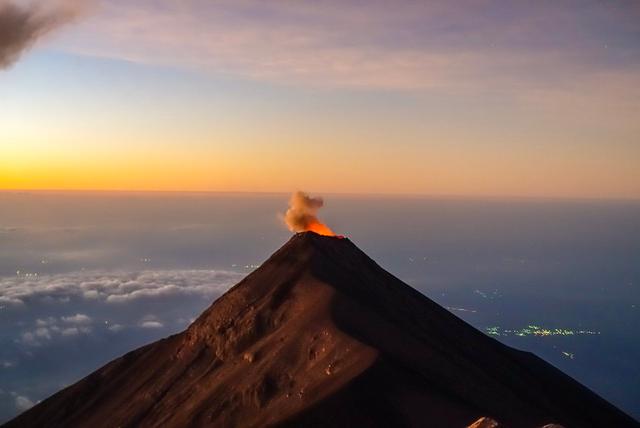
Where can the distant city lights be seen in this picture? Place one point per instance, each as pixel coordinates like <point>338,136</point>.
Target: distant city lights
<point>534,330</point>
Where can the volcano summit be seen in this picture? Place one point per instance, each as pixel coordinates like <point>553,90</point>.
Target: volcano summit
<point>321,336</point>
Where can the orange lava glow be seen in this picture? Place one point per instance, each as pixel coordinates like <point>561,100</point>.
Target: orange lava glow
<point>320,229</point>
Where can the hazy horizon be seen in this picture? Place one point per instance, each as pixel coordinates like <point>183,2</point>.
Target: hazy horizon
<point>286,193</point>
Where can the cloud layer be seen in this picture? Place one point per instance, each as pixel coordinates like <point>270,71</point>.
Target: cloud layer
<point>400,45</point>
<point>114,287</point>
<point>56,328</point>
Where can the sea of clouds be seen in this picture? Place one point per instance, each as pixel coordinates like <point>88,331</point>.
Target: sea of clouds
<point>113,287</point>
<point>57,328</point>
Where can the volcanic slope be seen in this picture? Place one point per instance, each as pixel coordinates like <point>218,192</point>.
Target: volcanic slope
<point>321,336</point>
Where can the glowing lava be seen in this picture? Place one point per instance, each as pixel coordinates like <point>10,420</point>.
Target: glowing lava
<point>320,229</point>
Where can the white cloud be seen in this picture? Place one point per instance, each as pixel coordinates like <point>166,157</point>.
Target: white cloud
<point>115,287</point>
<point>46,328</point>
<point>91,294</point>
<point>70,331</point>
<point>42,332</point>
<point>151,324</point>
<point>165,290</point>
<point>77,319</point>
<point>10,300</point>
<point>44,322</point>
<point>23,403</point>
<point>150,321</point>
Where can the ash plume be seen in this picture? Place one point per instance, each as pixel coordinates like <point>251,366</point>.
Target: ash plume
<point>23,24</point>
<point>302,213</point>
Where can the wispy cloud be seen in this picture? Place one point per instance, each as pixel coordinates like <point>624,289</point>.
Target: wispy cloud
<point>400,45</point>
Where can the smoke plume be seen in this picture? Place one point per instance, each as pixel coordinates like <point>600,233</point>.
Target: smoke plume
<point>23,24</point>
<point>302,214</point>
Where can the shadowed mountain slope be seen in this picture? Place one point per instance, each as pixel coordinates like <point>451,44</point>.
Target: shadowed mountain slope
<point>319,336</point>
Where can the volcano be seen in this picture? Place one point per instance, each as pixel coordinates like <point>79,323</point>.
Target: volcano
<point>321,336</point>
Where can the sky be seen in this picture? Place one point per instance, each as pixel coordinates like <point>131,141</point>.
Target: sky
<point>477,98</point>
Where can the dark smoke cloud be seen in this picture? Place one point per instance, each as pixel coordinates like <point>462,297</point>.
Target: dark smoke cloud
<point>302,211</point>
<point>22,25</point>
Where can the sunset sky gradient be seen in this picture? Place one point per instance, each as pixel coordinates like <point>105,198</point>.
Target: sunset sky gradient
<point>476,98</point>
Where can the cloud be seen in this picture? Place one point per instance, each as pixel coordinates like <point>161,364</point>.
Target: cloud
<point>150,321</point>
<point>77,319</point>
<point>5,364</point>
<point>37,336</point>
<point>398,45</point>
<point>106,293</point>
<point>46,328</point>
<point>22,25</point>
<point>10,300</point>
<point>151,324</point>
<point>74,331</point>
<point>40,322</point>
<point>28,338</point>
<point>60,318</point>
<point>116,327</point>
<point>91,294</point>
<point>164,290</point>
<point>43,333</point>
<point>23,403</point>
<point>114,287</point>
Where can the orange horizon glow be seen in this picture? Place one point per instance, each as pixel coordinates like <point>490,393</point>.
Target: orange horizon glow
<point>381,170</point>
